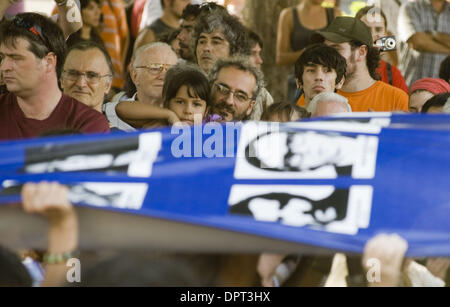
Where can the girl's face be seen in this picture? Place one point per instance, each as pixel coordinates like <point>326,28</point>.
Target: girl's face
<point>189,109</point>
<point>91,14</point>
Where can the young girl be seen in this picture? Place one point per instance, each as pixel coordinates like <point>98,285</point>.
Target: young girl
<point>186,99</point>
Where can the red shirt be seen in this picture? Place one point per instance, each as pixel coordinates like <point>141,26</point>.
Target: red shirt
<point>68,113</point>
<point>397,78</point>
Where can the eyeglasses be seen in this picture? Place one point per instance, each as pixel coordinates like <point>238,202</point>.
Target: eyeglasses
<point>29,25</point>
<point>156,69</point>
<point>226,91</point>
<point>90,76</point>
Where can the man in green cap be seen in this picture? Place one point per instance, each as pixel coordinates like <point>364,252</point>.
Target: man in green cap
<point>353,40</point>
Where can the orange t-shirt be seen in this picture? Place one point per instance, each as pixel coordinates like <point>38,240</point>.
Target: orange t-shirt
<point>380,97</point>
<point>301,101</point>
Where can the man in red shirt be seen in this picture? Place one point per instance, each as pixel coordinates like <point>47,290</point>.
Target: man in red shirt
<point>32,52</point>
<point>377,23</point>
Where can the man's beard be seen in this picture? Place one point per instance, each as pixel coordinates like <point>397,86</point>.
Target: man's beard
<point>226,111</point>
<point>351,68</point>
<point>187,54</point>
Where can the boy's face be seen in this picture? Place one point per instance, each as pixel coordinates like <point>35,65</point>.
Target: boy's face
<point>317,79</point>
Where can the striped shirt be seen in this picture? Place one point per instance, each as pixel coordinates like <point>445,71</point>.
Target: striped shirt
<point>114,29</point>
<point>414,17</point>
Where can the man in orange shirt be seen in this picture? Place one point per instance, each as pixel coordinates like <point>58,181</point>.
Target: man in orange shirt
<point>353,40</point>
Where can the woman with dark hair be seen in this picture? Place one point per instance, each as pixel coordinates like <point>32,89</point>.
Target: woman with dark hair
<point>91,16</point>
<point>436,104</point>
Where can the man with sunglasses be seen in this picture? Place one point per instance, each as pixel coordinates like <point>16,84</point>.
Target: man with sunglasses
<point>235,86</point>
<point>32,53</point>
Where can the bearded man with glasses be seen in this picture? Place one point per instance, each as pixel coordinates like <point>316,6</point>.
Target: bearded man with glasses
<point>235,86</point>
<point>32,53</point>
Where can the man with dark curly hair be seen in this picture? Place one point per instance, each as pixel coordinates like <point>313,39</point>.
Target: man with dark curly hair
<point>218,35</point>
<point>353,40</point>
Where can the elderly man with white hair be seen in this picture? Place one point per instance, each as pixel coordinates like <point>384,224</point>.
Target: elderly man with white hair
<point>148,70</point>
<point>326,103</point>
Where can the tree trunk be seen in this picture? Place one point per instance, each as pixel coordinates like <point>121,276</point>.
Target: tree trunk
<point>262,17</point>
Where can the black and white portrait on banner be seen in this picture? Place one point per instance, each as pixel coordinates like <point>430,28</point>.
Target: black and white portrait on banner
<point>324,208</point>
<point>133,156</point>
<point>290,154</point>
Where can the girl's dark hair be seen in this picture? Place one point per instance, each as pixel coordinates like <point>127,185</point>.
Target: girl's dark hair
<point>189,75</point>
<point>436,101</point>
<point>12,272</point>
<point>85,3</point>
<point>283,110</point>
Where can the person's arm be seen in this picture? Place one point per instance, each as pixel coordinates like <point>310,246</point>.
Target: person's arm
<point>284,53</point>
<point>425,42</point>
<point>69,16</point>
<point>51,200</point>
<point>442,38</point>
<point>383,256</point>
<point>412,30</point>
<point>139,114</point>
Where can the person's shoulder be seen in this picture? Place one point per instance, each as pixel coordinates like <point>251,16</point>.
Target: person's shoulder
<point>398,98</point>
<point>287,14</point>
<point>390,90</point>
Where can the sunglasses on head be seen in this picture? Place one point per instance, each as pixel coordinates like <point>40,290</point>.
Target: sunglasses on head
<point>29,25</point>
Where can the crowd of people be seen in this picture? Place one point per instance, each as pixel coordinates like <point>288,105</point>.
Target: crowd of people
<point>195,64</point>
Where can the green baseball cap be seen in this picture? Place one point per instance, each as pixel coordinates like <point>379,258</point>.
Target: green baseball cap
<point>345,29</point>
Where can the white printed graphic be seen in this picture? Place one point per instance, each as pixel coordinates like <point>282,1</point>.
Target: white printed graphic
<point>142,161</point>
<point>278,154</point>
<point>319,207</point>
<point>136,159</point>
<point>106,194</point>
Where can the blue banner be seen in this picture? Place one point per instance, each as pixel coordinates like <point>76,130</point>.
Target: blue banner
<point>313,186</point>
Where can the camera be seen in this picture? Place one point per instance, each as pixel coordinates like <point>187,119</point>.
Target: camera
<point>386,43</point>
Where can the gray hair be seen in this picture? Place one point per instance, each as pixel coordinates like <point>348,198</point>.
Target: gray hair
<point>446,108</point>
<point>327,96</point>
<point>240,63</point>
<point>156,45</point>
<point>230,26</point>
